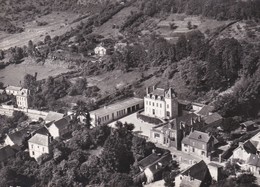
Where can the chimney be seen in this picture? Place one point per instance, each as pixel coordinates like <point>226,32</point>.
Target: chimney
<point>147,90</point>
<point>35,75</point>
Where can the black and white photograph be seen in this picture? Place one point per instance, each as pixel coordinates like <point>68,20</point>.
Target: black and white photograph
<point>129,93</point>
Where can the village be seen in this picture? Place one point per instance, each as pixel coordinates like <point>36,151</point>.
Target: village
<point>184,128</point>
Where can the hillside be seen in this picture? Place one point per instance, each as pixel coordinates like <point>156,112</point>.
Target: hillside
<point>200,50</point>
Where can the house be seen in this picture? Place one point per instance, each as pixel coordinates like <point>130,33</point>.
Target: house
<point>60,127</point>
<point>100,51</point>
<point>170,134</point>
<point>206,110</point>
<point>197,175</point>
<point>198,143</point>
<point>40,143</point>
<point>53,116</point>
<point>244,150</point>
<point>248,126</point>
<point>161,103</point>
<point>213,120</point>
<point>196,107</point>
<point>21,94</point>
<point>115,111</point>
<point>153,165</point>
<point>216,171</point>
<point>253,164</point>
<point>6,153</point>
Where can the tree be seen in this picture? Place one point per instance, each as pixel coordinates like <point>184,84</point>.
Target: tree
<point>246,179</point>
<point>29,82</point>
<point>47,39</point>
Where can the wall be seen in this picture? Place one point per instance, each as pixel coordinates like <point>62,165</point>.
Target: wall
<point>157,105</point>
<point>54,131</point>
<point>38,150</point>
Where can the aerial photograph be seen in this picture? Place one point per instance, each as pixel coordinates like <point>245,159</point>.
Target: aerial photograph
<point>129,93</point>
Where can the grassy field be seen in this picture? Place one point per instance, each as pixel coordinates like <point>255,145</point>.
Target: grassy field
<point>14,73</point>
<point>58,24</point>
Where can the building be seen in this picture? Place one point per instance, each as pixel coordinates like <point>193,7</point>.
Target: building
<point>198,143</point>
<point>100,51</point>
<point>21,94</point>
<point>196,107</point>
<point>161,103</point>
<point>248,126</point>
<point>153,165</point>
<point>60,127</point>
<point>115,111</point>
<point>253,164</point>
<point>216,171</point>
<point>171,134</point>
<point>206,110</point>
<point>197,175</point>
<point>244,150</point>
<point>40,143</point>
<point>53,116</point>
<point>17,137</point>
<point>213,120</point>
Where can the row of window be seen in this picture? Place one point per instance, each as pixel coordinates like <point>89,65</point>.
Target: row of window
<point>39,147</point>
<point>193,144</point>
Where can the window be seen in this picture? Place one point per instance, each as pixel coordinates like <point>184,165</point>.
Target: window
<point>168,113</point>
<point>156,135</point>
<point>153,103</point>
<point>156,104</point>
<point>32,152</point>
<point>203,153</point>
<point>153,112</point>
<point>161,105</point>
<point>43,149</point>
<point>193,149</point>
<point>167,105</point>
<point>149,102</point>
<point>32,146</point>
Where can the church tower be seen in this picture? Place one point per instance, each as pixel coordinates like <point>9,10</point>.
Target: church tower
<point>171,104</point>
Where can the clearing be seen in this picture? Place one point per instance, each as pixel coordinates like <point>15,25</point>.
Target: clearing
<point>58,24</point>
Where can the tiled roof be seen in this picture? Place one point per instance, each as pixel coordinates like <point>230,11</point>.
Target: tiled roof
<point>198,171</point>
<point>206,110</point>
<point>200,136</point>
<point>158,92</point>
<point>14,88</point>
<point>249,147</point>
<point>160,163</point>
<point>253,160</point>
<point>62,123</point>
<point>40,139</point>
<point>42,131</point>
<point>18,136</point>
<point>213,118</point>
<point>187,118</point>
<point>53,116</point>
<point>148,160</point>
<point>6,152</point>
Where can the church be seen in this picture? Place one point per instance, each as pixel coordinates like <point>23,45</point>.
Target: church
<point>160,103</point>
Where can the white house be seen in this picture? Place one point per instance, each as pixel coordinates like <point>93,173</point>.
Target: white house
<point>160,103</point>
<point>21,94</point>
<point>244,150</point>
<point>100,51</point>
<point>39,144</point>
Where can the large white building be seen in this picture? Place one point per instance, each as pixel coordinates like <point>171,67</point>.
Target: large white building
<point>160,103</point>
<point>21,94</point>
<point>115,111</point>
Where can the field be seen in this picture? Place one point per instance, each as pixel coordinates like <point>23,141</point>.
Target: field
<point>58,24</point>
<point>14,73</point>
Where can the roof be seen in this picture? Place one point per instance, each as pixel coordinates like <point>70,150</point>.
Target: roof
<point>186,118</point>
<point>149,160</point>
<point>158,92</point>
<point>42,131</point>
<point>249,147</point>
<point>213,118</point>
<point>215,165</point>
<point>18,136</point>
<point>248,123</point>
<point>253,160</point>
<point>53,116</point>
<point>206,110</point>
<point>6,152</point>
<point>40,139</point>
<point>14,88</point>
<point>198,171</point>
<point>62,123</point>
<point>117,106</point>
<point>200,136</point>
<point>160,163</point>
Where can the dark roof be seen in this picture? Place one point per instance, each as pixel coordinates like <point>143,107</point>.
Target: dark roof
<point>6,152</point>
<point>62,123</point>
<point>198,171</point>
<point>160,163</point>
<point>213,118</point>
<point>148,160</point>
<point>249,147</point>
<point>253,160</point>
<point>206,110</point>
<point>18,136</point>
<point>248,123</point>
<point>200,136</point>
<point>43,131</point>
